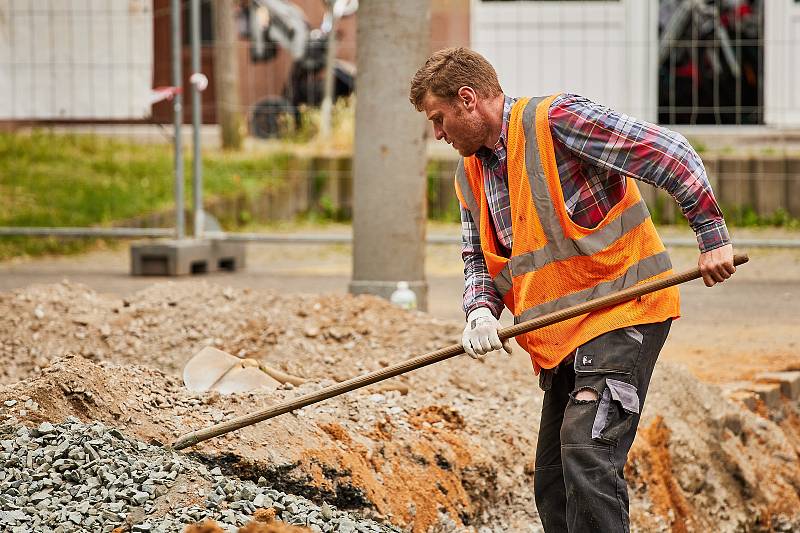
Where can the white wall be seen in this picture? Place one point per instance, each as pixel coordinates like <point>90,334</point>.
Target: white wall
<point>602,50</point>
<point>75,59</point>
<point>782,63</point>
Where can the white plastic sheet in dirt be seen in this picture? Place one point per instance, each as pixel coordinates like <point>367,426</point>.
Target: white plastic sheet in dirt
<point>75,59</point>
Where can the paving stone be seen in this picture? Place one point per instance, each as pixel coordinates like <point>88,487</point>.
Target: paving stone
<point>769,393</point>
<point>789,382</point>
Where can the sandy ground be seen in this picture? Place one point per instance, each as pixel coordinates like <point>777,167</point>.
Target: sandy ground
<point>726,333</point>
<point>386,445</point>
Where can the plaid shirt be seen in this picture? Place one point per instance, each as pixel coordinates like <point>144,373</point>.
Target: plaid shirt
<point>595,149</point>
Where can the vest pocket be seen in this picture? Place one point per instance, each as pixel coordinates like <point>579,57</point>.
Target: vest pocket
<point>616,411</point>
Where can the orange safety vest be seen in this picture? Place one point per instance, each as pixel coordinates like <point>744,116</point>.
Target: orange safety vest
<point>555,263</point>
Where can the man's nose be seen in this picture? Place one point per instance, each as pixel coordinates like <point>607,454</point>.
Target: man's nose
<point>438,132</point>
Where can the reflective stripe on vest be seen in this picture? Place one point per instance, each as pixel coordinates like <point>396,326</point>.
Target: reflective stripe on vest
<point>558,247</point>
<point>502,281</point>
<point>555,263</point>
<point>644,269</point>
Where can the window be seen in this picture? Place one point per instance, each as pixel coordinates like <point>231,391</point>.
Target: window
<point>711,62</point>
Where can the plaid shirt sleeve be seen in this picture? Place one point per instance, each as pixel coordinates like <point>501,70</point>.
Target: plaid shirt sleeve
<point>479,289</point>
<point>619,144</point>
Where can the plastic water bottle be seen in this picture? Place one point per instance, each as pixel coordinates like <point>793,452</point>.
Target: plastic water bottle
<point>403,296</point>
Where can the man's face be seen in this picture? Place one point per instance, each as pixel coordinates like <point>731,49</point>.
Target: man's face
<point>455,123</point>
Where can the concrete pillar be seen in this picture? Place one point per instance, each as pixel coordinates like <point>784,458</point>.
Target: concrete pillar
<point>226,74</point>
<point>389,211</point>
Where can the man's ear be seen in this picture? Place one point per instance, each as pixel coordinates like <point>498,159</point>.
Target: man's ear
<point>468,98</point>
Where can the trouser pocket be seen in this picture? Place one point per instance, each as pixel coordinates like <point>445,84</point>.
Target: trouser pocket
<point>607,366</point>
<point>546,379</point>
<point>616,411</point>
<point>615,352</point>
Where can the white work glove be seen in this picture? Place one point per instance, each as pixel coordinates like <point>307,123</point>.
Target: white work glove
<point>480,334</point>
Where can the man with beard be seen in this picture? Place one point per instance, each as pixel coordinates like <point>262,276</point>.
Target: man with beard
<point>552,217</point>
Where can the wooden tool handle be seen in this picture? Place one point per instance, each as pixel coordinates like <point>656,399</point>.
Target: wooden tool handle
<point>190,439</point>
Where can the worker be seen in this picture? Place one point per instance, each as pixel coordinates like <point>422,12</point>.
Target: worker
<point>552,217</point>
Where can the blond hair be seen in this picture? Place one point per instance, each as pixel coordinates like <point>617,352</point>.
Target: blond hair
<point>446,71</point>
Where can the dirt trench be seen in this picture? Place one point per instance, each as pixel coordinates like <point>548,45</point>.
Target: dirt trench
<point>454,454</point>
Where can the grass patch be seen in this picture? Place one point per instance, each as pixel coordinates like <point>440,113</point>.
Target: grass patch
<point>85,180</point>
<point>82,180</point>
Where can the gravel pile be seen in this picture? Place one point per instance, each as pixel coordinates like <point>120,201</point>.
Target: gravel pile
<point>455,453</point>
<point>89,477</point>
<point>417,459</point>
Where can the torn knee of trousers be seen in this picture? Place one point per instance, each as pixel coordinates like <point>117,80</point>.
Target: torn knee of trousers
<point>584,395</point>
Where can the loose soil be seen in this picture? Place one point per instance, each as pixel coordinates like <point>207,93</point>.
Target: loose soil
<point>453,454</point>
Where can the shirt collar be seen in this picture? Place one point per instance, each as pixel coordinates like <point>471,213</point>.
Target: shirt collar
<point>485,153</point>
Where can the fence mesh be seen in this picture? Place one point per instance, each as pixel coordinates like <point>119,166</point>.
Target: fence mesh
<point>86,114</point>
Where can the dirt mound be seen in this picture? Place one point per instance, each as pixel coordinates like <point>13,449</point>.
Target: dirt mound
<point>165,324</point>
<point>389,456</point>
<point>455,453</point>
<point>704,463</point>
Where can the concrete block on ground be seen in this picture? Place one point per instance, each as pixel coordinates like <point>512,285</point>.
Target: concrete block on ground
<point>789,382</point>
<point>187,256</point>
<point>769,393</point>
<point>170,257</point>
<point>228,255</point>
<point>748,398</point>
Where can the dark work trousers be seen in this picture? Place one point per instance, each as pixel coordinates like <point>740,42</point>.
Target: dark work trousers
<point>583,444</point>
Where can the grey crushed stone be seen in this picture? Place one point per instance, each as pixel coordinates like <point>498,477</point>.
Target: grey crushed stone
<point>89,477</point>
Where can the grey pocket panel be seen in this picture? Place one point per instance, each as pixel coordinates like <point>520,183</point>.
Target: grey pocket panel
<point>634,333</point>
<point>602,414</point>
<point>625,394</point>
<point>616,411</point>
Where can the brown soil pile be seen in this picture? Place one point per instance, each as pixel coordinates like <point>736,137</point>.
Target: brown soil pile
<point>366,451</point>
<point>455,452</point>
<point>164,325</point>
<point>704,463</point>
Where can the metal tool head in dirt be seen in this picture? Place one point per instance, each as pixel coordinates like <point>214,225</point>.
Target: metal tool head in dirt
<point>214,369</point>
<point>414,363</point>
